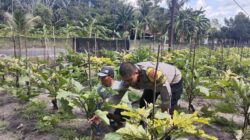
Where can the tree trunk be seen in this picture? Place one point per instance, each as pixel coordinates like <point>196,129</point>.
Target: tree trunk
<point>241,52</point>
<point>19,41</point>
<point>171,33</point>
<point>26,51</point>
<point>116,47</point>
<point>222,54</point>
<point>135,37</point>
<point>14,45</point>
<point>54,103</point>
<point>190,49</point>
<point>54,45</point>
<point>95,45</point>
<point>46,57</point>
<point>17,79</point>
<point>191,108</point>
<point>89,66</point>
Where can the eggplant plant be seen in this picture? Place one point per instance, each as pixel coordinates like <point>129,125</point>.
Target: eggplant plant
<point>237,92</point>
<point>159,128</point>
<point>15,69</point>
<point>51,80</point>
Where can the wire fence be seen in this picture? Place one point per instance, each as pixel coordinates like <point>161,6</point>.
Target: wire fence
<point>36,47</point>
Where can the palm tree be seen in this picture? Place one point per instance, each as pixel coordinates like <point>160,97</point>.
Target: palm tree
<point>145,6</point>
<point>69,31</point>
<point>7,30</point>
<point>21,24</point>
<point>124,16</point>
<point>190,24</point>
<point>201,24</point>
<point>136,26</point>
<point>183,25</point>
<point>92,28</point>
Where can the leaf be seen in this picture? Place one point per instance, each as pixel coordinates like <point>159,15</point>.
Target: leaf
<point>133,96</point>
<point>64,94</point>
<point>162,115</point>
<point>125,99</point>
<point>238,134</point>
<point>2,89</point>
<point>112,136</point>
<point>65,105</point>
<point>203,90</point>
<point>77,85</point>
<point>102,115</point>
<point>23,79</point>
<point>134,131</point>
<point>122,106</point>
<point>225,107</point>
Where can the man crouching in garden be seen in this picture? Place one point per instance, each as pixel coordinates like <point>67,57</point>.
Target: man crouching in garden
<point>110,91</point>
<point>168,82</point>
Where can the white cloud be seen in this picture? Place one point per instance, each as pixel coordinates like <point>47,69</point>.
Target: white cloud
<point>200,3</point>
<point>221,9</point>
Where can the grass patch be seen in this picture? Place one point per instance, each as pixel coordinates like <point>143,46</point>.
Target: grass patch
<point>34,110</point>
<point>225,108</point>
<point>48,123</point>
<point>66,133</point>
<point>228,126</point>
<point>3,125</point>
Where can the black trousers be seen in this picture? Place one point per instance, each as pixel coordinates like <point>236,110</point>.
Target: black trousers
<point>148,94</point>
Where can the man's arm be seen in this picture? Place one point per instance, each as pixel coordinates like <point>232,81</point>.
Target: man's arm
<point>165,91</point>
<point>163,86</point>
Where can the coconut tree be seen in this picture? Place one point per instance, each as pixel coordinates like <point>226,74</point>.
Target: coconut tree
<point>183,26</point>
<point>124,16</point>
<point>91,27</point>
<point>145,6</point>
<point>7,30</point>
<point>21,23</point>
<point>136,25</point>
<point>201,23</point>
<point>68,31</point>
<point>157,20</point>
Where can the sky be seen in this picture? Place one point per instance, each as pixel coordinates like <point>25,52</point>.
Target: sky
<point>220,9</point>
<point>216,9</point>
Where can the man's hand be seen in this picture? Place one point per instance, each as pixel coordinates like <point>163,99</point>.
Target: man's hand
<point>164,107</point>
<point>95,120</point>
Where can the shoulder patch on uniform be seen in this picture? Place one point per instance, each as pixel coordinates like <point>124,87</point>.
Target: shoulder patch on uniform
<point>151,74</point>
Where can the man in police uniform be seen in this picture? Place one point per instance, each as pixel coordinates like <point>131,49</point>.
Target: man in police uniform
<point>168,82</point>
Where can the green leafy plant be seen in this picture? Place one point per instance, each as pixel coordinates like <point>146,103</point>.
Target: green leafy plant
<point>51,80</point>
<point>162,126</point>
<point>47,123</point>
<point>237,92</point>
<point>34,110</point>
<point>141,54</point>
